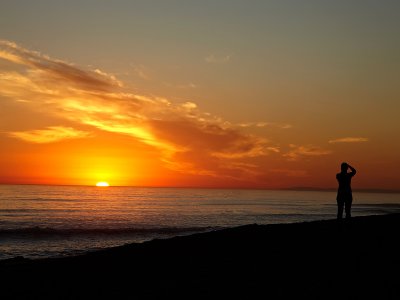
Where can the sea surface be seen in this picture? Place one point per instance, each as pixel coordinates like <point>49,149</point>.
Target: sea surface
<point>39,221</point>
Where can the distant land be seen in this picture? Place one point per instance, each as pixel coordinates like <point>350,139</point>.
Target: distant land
<point>360,190</point>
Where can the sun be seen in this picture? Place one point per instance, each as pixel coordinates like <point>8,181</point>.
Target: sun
<point>102,184</point>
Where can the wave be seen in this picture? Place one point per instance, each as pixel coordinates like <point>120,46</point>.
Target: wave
<point>46,231</point>
<point>390,205</point>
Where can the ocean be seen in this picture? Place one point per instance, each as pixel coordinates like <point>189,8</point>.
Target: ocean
<point>38,221</point>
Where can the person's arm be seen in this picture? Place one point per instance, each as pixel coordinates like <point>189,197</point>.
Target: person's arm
<point>353,171</point>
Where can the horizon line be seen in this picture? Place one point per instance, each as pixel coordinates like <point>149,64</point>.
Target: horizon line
<point>300,188</point>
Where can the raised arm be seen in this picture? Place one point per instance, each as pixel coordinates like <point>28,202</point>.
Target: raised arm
<point>353,171</point>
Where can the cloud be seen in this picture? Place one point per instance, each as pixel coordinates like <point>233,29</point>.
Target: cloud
<point>188,140</point>
<point>49,135</point>
<point>189,85</point>
<point>213,59</point>
<point>142,72</point>
<point>265,124</point>
<point>274,149</point>
<point>58,70</point>
<point>290,173</point>
<point>349,140</point>
<point>309,150</point>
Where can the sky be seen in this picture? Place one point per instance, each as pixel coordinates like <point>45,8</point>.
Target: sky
<point>230,94</point>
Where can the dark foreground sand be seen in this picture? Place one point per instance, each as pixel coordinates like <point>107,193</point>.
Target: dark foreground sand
<point>316,260</point>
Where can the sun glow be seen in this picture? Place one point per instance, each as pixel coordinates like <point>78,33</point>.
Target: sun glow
<point>102,184</point>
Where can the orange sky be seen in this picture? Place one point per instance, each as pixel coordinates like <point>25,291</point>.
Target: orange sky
<point>280,107</point>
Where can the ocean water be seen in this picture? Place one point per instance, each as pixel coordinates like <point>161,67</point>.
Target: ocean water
<point>45,221</point>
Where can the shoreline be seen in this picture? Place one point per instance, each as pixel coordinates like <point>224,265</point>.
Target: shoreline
<point>312,259</point>
<point>181,232</point>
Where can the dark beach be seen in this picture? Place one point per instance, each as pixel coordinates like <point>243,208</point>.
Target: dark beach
<point>316,260</point>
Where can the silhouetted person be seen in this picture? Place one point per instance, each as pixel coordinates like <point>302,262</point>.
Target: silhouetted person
<point>344,196</point>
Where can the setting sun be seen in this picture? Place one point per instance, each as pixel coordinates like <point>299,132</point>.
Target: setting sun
<point>102,184</point>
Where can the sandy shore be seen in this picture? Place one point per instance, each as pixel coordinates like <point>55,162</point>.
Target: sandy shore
<point>317,260</point>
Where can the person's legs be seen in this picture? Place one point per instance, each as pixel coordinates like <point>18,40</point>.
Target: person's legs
<point>348,208</point>
<point>340,205</point>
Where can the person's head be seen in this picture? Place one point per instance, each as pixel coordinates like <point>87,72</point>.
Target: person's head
<point>344,167</point>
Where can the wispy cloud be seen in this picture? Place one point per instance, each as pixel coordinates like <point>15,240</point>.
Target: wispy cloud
<point>298,151</point>
<point>50,134</point>
<point>349,140</point>
<point>274,149</point>
<point>189,85</point>
<point>214,59</point>
<point>57,69</point>
<point>291,173</point>
<point>265,124</point>
<point>188,139</point>
<point>142,72</point>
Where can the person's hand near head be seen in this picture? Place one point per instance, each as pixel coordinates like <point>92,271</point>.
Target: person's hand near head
<point>353,171</point>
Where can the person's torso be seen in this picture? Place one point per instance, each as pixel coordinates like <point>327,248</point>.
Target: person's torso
<point>344,180</point>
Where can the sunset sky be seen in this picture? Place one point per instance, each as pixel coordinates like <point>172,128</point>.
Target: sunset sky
<point>254,94</point>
